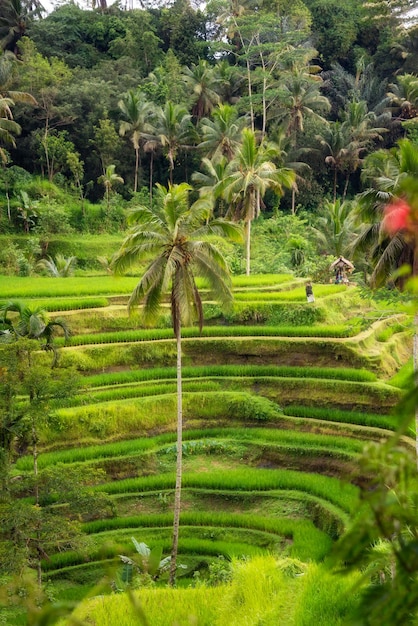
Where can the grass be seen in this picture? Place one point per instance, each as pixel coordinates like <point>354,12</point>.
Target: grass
<point>232,535</point>
<point>388,422</point>
<point>69,304</point>
<point>343,495</point>
<point>264,590</point>
<point>144,413</point>
<point>120,378</point>
<point>129,335</point>
<point>295,295</point>
<point>195,441</point>
<point>45,286</point>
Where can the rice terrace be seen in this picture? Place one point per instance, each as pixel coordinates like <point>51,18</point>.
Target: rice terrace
<point>208,313</point>
<point>280,398</point>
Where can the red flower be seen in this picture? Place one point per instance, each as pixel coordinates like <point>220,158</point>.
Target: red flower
<point>397,216</point>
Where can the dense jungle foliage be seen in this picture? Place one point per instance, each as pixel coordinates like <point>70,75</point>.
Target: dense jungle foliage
<point>99,104</point>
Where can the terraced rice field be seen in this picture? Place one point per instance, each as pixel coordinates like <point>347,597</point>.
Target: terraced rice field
<point>280,398</point>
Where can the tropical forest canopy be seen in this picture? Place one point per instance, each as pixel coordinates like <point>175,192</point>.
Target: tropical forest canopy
<point>100,104</point>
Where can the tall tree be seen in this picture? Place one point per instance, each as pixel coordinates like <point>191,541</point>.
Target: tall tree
<point>221,135</point>
<point>136,110</point>
<point>248,177</point>
<point>109,179</point>
<point>334,228</point>
<point>174,236</point>
<point>202,80</point>
<point>172,128</point>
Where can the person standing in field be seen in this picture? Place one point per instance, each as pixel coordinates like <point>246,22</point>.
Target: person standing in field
<point>309,292</point>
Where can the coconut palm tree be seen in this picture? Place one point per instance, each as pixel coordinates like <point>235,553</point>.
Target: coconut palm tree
<point>32,323</point>
<point>404,96</point>
<point>172,128</point>
<point>136,111</point>
<point>389,173</point>
<point>334,229</point>
<point>14,18</point>
<point>8,127</point>
<point>248,177</point>
<point>221,136</point>
<point>108,180</point>
<point>300,98</point>
<point>203,82</point>
<point>173,238</point>
<point>210,183</point>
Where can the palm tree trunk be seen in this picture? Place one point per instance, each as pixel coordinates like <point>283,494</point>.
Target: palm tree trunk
<point>293,200</point>
<point>151,172</point>
<point>179,469</point>
<point>9,215</point>
<point>136,169</point>
<point>347,180</point>
<point>247,247</point>
<point>335,186</point>
<point>35,460</point>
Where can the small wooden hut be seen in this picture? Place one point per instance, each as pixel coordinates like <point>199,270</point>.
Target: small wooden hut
<point>342,268</point>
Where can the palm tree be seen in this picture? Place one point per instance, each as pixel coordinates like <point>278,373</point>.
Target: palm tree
<point>335,139</point>
<point>388,172</point>
<point>32,323</point>
<point>109,179</point>
<point>210,183</point>
<point>334,229</point>
<point>203,82</point>
<point>221,136</point>
<point>300,98</point>
<point>248,177</point>
<point>136,110</point>
<point>404,96</point>
<point>14,18</point>
<point>60,267</point>
<point>172,130</point>
<point>174,236</point>
<point>8,127</point>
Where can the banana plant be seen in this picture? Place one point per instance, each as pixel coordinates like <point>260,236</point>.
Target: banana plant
<point>146,561</point>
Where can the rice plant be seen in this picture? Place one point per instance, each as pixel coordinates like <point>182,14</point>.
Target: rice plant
<point>197,442</point>
<point>341,494</point>
<point>126,336</point>
<point>388,422</point>
<point>131,376</point>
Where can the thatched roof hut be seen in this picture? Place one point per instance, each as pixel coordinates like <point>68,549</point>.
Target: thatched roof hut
<point>341,264</point>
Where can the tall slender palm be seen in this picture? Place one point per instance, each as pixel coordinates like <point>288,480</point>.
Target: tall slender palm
<point>173,238</point>
<point>335,140</point>
<point>108,180</point>
<point>172,128</point>
<point>248,177</point>
<point>221,136</point>
<point>136,111</point>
